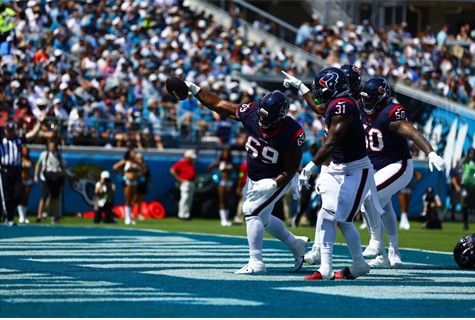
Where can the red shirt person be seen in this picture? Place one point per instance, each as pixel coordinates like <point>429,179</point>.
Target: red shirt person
<point>184,172</point>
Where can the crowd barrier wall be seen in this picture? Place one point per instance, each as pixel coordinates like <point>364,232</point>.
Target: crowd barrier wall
<point>84,168</point>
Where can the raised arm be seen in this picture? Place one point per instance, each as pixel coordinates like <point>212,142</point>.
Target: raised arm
<point>213,102</point>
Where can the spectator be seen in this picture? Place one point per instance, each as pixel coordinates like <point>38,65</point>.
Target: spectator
<point>104,191</point>
<point>51,170</point>
<point>184,172</point>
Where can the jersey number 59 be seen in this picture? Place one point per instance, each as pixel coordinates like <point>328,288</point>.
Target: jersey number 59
<point>256,150</point>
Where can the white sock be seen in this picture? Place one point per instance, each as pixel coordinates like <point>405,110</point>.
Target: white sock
<point>224,214</point>
<point>318,230</point>
<point>390,225</point>
<point>327,240</point>
<point>22,212</point>
<point>353,241</point>
<point>277,229</point>
<point>255,236</point>
<point>128,214</point>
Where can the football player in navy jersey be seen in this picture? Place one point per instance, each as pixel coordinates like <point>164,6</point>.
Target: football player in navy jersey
<point>387,131</point>
<point>274,149</point>
<point>354,79</point>
<point>348,180</point>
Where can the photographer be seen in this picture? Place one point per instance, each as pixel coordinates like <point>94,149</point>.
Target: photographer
<point>104,192</point>
<point>432,204</point>
<point>50,168</point>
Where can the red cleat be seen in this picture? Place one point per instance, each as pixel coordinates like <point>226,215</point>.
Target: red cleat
<point>316,276</point>
<point>344,274</point>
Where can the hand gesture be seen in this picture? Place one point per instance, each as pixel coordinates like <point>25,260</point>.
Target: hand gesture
<point>436,161</point>
<point>291,81</point>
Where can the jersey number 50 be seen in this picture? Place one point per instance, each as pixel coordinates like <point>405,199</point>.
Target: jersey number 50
<point>256,149</point>
<point>374,140</point>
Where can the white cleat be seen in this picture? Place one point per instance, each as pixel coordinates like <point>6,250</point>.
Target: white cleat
<point>373,249</point>
<point>129,222</point>
<point>380,261</point>
<point>313,257</point>
<point>25,221</point>
<point>394,258</point>
<point>298,249</point>
<point>253,267</point>
<point>359,269</point>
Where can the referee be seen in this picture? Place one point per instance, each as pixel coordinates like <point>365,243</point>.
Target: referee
<point>10,168</point>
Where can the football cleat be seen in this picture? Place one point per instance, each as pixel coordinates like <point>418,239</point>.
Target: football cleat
<point>318,276</point>
<point>381,261</point>
<point>373,249</point>
<point>352,272</point>
<point>253,267</point>
<point>313,257</point>
<point>394,257</point>
<point>298,249</point>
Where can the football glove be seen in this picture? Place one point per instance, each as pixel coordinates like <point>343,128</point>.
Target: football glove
<point>305,175</point>
<point>294,82</point>
<point>193,88</point>
<point>262,187</point>
<point>436,161</point>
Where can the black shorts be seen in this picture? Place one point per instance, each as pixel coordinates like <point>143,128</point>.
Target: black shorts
<point>50,188</point>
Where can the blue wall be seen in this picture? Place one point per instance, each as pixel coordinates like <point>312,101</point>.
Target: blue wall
<point>84,169</point>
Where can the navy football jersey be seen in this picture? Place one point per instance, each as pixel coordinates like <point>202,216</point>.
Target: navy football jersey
<point>352,145</point>
<point>383,145</point>
<point>265,149</point>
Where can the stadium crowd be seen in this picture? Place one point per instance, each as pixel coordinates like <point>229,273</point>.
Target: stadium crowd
<point>99,68</point>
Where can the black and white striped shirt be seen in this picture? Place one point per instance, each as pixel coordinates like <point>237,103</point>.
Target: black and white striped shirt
<point>10,151</point>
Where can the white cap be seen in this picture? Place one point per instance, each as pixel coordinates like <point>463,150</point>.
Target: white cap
<point>56,101</point>
<point>152,77</point>
<point>63,86</point>
<point>105,174</point>
<point>293,107</point>
<point>190,154</point>
<point>15,84</point>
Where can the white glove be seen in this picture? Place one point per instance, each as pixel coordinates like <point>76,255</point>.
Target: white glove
<point>261,188</point>
<point>436,161</point>
<point>294,188</point>
<point>294,82</point>
<point>305,175</point>
<point>193,88</point>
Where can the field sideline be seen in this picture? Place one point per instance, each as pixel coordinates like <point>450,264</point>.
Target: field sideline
<point>88,271</point>
<point>416,238</point>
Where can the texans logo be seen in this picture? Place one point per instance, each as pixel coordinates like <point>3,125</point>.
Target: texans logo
<point>382,89</point>
<point>329,81</point>
<point>355,69</point>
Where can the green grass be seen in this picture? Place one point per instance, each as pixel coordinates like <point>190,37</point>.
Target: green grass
<point>417,238</point>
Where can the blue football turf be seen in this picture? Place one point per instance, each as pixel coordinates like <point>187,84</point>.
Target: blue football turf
<point>51,271</point>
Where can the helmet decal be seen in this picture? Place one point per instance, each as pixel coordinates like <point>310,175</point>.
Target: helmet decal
<point>329,81</point>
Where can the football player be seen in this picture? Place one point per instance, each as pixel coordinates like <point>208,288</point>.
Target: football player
<point>348,180</point>
<point>274,145</point>
<point>387,131</point>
